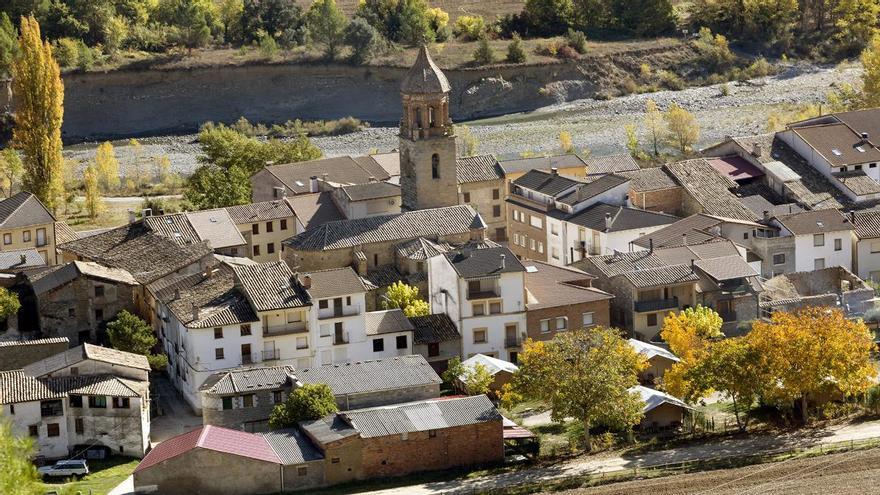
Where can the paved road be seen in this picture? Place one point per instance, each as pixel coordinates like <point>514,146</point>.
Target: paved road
<point>607,464</point>
<point>177,416</point>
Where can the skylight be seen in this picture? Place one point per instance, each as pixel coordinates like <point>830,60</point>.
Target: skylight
<point>860,149</point>
<point>300,184</point>
<point>836,152</point>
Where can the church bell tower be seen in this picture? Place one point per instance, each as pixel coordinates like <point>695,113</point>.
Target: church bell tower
<point>427,138</point>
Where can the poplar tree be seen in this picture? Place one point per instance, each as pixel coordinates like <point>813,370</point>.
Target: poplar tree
<point>108,166</point>
<point>94,204</point>
<point>39,99</point>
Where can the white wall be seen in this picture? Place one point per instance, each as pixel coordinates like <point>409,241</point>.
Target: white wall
<point>806,253</point>
<point>28,413</point>
<point>868,259</point>
<point>617,196</point>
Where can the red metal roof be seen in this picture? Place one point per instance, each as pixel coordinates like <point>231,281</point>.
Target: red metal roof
<point>735,167</point>
<point>215,438</point>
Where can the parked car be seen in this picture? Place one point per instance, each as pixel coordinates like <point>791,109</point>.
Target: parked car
<point>70,467</point>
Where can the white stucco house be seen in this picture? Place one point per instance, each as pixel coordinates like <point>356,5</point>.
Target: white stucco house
<point>822,239</point>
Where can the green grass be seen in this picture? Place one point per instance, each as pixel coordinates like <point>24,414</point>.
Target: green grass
<point>104,476</point>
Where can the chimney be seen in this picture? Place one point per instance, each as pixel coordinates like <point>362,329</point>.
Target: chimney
<point>132,217</point>
<point>767,213</point>
<point>313,184</point>
<point>756,149</point>
<point>195,312</point>
<point>693,263</point>
<point>466,252</point>
<point>503,261</point>
<point>372,179</point>
<point>608,221</point>
<point>307,282</point>
<point>23,259</point>
<point>651,245</point>
<point>176,294</point>
<point>852,216</point>
<point>324,176</point>
<point>865,136</point>
<point>684,238</point>
<point>554,170</point>
<point>147,212</point>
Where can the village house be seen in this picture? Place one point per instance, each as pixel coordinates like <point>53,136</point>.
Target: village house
<point>482,185</point>
<point>16,354</point>
<point>243,398</point>
<point>706,190</point>
<point>25,223</point>
<point>367,200</point>
<point>264,226</point>
<point>653,189</point>
<point>819,238</point>
<point>483,291</point>
<point>361,444</point>
<point>560,299</point>
<point>569,165</point>
<point>88,359</point>
<point>866,230</point>
<point>213,227</point>
<point>274,182</point>
<point>436,338</point>
<point>661,410</point>
<point>698,229</point>
<point>645,289</point>
<point>76,300</point>
<point>314,209</point>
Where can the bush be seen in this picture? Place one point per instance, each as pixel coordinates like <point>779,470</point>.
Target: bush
<point>67,52</point>
<point>715,50</point>
<point>670,80</point>
<point>577,40</point>
<point>470,27</point>
<point>759,68</point>
<point>516,53</point>
<point>484,54</point>
<point>268,45</point>
<point>567,52</point>
<point>549,48</point>
<point>725,89</point>
<point>363,39</point>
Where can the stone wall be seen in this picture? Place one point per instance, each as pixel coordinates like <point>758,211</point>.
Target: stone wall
<point>71,310</point>
<point>664,200</point>
<point>303,476</point>
<point>385,397</point>
<point>208,471</point>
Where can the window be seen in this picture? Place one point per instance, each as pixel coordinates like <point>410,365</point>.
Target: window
<point>218,333</point>
<point>858,167</point>
<point>11,409</point>
<point>652,319</point>
<point>33,431</point>
<point>818,240</point>
<point>50,408</point>
<point>541,247</point>
<point>554,229</point>
<point>432,433</point>
<point>875,246</point>
<point>587,319</point>
<point>873,165</point>
<point>478,309</point>
<point>494,307</point>
<point>435,166</point>
<point>7,238</point>
<point>334,460</point>
<point>270,248</point>
<point>218,353</point>
<point>99,314</point>
<point>245,329</point>
<point>545,326</point>
<point>348,300</point>
<point>277,397</point>
<point>41,237</point>
<point>433,349</point>
<point>227,403</point>
<point>71,312</point>
<point>496,193</point>
<point>294,317</point>
<point>98,401</point>
<point>516,215</point>
<point>378,345</point>
<point>256,249</point>
<point>76,401</point>
<point>247,400</point>
<point>779,259</point>
<point>79,426</point>
<point>554,252</point>
<point>838,244</point>
<point>532,244</point>
<point>121,403</point>
<point>818,263</point>
<point>402,342</point>
<point>255,229</point>
<point>479,336</point>
<point>323,304</point>
<point>283,224</point>
<point>561,323</point>
<point>99,291</point>
<point>466,197</point>
<point>496,211</point>
<point>302,471</point>
<point>26,236</point>
<point>270,227</point>
<point>745,236</point>
<point>53,430</point>
<point>536,222</point>
<point>516,239</point>
<point>302,342</point>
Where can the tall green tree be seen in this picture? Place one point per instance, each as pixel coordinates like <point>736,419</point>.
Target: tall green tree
<point>9,303</point>
<point>18,475</point>
<point>585,374</point>
<point>129,333</point>
<point>11,169</point>
<point>549,17</point>
<point>326,25</point>
<point>8,43</point>
<point>309,402</point>
<point>363,39</point>
<point>39,111</point>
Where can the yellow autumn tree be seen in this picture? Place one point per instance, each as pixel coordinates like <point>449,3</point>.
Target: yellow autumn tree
<point>870,57</point>
<point>39,110</point>
<point>93,202</point>
<point>682,130</point>
<point>654,124</point>
<point>107,166</point>
<point>812,355</point>
<point>565,142</point>
<point>688,334</point>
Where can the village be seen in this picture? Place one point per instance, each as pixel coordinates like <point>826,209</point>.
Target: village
<point>426,320</point>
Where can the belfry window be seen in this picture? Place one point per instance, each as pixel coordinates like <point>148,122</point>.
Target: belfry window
<point>432,117</point>
<point>435,166</point>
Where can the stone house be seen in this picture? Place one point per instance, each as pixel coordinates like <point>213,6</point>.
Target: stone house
<point>706,190</point>
<point>264,226</point>
<point>244,398</point>
<point>831,287</point>
<point>77,300</point>
<point>436,338</point>
<point>645,289</point>
<point>821,238</point>
<point>483,291</point>
<point>560,299</point>
<point>367,200</point>
<point>16,354</point>
<point>369,243</point>
<point>653,189</point>
<point>25,223</point>
<point>482,185</point>
<point>88,359</point>
<point>274,182</point>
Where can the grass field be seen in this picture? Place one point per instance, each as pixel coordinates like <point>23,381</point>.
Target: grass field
<point>104,476</point>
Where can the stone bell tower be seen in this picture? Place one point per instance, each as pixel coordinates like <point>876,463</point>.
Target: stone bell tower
<point>427,139</point>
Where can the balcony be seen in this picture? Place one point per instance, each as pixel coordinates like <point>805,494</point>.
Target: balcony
<point>482,294</point>
<point>651,305</point>
<point>338,312</point>
<point>511,342</point>
<point>298,327</point>
<point>272,355</point>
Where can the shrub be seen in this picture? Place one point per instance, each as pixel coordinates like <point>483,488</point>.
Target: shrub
<point>567,52</point>
<point>671,80</point>
<point>86,57</point>
<point>645,71</point>
<point>484,54</point>
<point>549,48</point>
<point>516,53</point>
<point>576,40</point>
<point>363,39</point>
<point>725,89</point>
<point>268,45</point>
<point>715,50</point>
<point>759,68</point>
<point>470,27</point>
<point>67,52</point>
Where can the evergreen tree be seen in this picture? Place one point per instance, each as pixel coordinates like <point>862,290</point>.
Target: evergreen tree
<point>311,401</point>
<point>18,475</point>
<point>516,54</point>
<point>484,54</point>
<point>363,39</point>
<point>8,43</point>
<point>326,24</point>
<point>39,111</point>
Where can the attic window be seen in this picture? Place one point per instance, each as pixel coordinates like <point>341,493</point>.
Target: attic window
<point>300,184</point>
<point>836,152</point>
<point>860,149</point>
<point>819,224</point>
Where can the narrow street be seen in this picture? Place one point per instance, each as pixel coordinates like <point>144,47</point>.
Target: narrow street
<point>176,418</point>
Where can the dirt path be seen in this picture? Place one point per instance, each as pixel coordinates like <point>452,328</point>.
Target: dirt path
<point>608,464</point>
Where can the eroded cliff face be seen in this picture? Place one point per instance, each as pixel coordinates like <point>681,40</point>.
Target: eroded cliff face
<point>150,102</point>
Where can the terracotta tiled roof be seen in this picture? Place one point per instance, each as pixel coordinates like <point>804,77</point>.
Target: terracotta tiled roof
<point>867,224</point>
<point>432,329</point>
<point>650,179</point>
<point>218,300</point>
<point>259,212</point>
<point>709,188</point>
<point>388,321</point>
<point>16,386</point>
<point>334,282</point>
<point>815,222</point>
<point>84,352</point>
<point>611,164</point>
<point>550,286</point>
<point>371,190</point>
<point>478,169</point>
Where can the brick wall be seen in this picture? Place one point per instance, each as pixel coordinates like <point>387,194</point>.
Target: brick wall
<point>460,446</point>
<point>601,317</point>
<point>663,200</point>
<point>519,229</point>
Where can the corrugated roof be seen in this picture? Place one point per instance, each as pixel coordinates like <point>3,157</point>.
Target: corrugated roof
<point>344,234</point>
<point>328,429</point>
<point>387,321</point>
<point>50,340</point>
<point>422,416</point>
<point>363,377</point>
<point>655,398</point>
<point>20,259</point>
<point>650,350</point>
<point>292,446</point>
<point>214,438</point>
<point>493,365</point>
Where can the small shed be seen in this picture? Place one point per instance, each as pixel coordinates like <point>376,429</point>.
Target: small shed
<point>501,370</point>
<point>659,360</point>
<point>661,410</point>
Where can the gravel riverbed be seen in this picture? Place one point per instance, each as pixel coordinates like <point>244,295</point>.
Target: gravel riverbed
<point>596,125</point>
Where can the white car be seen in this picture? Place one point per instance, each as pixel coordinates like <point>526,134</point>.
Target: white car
<point>70,467</point>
